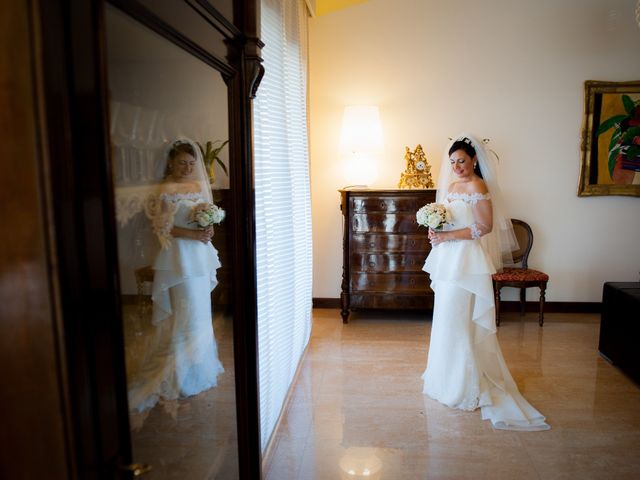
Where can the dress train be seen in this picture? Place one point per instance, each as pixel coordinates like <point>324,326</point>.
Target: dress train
<point>465,368</point>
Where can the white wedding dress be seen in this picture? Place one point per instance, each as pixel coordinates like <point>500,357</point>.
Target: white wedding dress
<point>465,366</point>
<point>182,358</point>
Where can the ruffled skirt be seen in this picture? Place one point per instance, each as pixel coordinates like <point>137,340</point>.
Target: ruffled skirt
<point>181,358</point>
<point>465,366</point>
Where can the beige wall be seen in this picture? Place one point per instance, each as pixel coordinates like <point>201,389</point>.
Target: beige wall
<point>509,70</point>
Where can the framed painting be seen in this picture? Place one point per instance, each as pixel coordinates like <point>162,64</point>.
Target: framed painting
<point>610,139</point>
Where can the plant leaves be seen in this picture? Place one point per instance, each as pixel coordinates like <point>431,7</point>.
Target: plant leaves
<point>210,157</point>
<point>610,122</point>
<point>613,154</point>
<point>630,134</point>
<point>629,105</point>
<point>218,149</point>
<point>223,166</point>
<point>614,139</point>
<point>632,152</point>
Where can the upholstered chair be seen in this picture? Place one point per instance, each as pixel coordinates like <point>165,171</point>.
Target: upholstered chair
<point>522,276</point>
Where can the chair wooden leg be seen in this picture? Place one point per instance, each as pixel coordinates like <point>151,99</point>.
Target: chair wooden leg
<point>543,288</point>
<point>523,300</point>
<point>496,290</point>
<point>140,307</point>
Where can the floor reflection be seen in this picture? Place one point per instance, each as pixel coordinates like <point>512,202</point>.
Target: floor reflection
<point>357,412</point>
<point>191,438</point>
<point>360,463</point>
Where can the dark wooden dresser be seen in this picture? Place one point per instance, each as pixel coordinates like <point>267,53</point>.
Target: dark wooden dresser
<point>384,250</point>
<point>221,295</point>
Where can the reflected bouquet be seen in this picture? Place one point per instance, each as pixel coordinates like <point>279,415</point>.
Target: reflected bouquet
<point>207,214</point>
<point>433,215</point>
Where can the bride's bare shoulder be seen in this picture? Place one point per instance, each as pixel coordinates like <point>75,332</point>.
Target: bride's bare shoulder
<point>478,186</point>
<point>473,186</point>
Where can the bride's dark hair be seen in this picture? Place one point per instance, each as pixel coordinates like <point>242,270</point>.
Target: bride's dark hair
<point>465,145</point>
<point>176,149</point>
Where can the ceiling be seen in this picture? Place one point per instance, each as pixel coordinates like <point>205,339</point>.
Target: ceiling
<point>328,6</point>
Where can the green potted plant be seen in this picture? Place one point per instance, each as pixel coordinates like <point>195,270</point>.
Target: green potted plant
<point>210,153</point>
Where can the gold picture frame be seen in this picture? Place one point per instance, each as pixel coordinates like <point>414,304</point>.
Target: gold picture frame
<point>610,144</point>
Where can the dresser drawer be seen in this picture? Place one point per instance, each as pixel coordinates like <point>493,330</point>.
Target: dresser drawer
<point>387,262</point>
<point>392,301</point>
<point>385,222</point>
<point>381,242</point>
<point>384,250</point>
<point>390,282</point>
<point>361,204</point>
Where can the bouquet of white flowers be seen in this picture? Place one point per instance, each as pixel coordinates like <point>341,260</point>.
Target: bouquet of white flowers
<point>433,215</point>
<point>207,214</point>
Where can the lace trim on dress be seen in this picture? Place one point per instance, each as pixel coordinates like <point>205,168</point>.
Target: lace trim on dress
<point>475,231</point>
<point>176,197</point>
<point>471,198</point>
<point>161,211</point>
<point>472,400</point>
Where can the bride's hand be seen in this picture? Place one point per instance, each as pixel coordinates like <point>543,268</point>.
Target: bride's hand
<point>203,235</point>
<point>436,237</point>
<point>209,231</point>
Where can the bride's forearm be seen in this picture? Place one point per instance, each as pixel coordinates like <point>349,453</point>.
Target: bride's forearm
<point>181,232</point>
<point>462,234</point>
<point>471,232</point>
<point>202,235</point>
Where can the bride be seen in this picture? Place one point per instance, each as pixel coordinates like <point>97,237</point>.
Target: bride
<point>182,359</point>
<point>465,366</point>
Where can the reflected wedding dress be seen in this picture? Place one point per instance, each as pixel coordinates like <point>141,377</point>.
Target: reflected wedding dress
<point>183,356</point>
<point>465,367</point>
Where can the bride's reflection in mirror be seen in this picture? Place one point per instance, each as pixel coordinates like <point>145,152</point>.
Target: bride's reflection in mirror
<point>181,359</point>
<point>169,128</point>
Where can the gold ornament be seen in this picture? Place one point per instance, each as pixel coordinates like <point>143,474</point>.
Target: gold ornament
<point>418,171</point>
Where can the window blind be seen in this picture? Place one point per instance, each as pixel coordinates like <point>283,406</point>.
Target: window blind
<point>283,206</point>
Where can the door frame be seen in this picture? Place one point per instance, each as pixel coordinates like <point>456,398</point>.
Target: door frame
<point>77,136</point>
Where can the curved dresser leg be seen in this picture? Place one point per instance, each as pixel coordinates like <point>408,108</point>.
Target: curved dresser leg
<point>344,304</point>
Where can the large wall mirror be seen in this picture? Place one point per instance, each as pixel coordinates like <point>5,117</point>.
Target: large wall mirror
<point>169,128</point>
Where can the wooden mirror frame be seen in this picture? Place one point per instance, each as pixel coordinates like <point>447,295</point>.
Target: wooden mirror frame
<point>74,83</point>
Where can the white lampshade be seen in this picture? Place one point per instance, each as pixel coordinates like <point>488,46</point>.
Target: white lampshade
<point>361,130</point>
<point>360,144</point>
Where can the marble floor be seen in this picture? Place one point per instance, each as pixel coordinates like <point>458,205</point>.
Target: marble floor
<point>357,412</point>
<point>193,437</point>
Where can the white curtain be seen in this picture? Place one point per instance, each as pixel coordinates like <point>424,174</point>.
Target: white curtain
<point>283,206</point>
